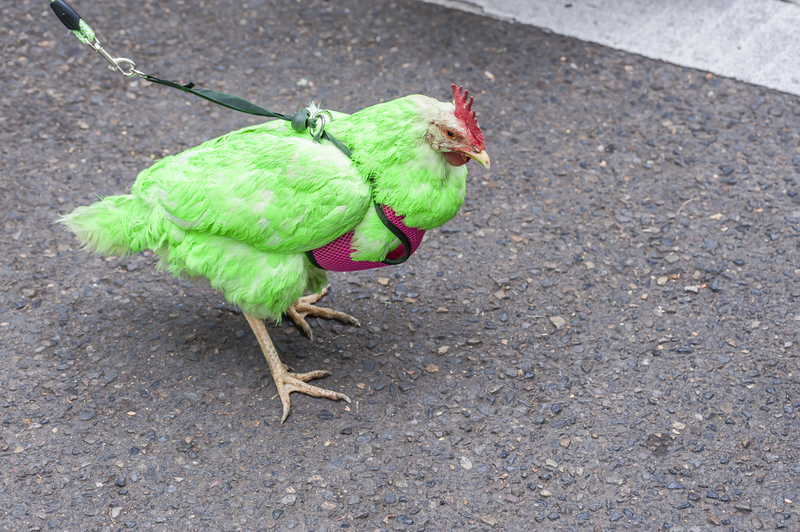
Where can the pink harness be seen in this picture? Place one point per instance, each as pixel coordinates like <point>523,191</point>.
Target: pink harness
<point>335,256</point>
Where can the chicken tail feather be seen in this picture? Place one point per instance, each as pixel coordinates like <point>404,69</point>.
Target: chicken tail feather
<point>108,226</point>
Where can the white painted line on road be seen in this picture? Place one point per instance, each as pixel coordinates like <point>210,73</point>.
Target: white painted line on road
<point>756,41</point>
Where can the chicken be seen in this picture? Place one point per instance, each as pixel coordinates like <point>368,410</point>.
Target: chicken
<point>249,210</point>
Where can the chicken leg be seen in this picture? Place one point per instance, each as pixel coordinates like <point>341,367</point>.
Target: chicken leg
<point>305,306</point>
<point>286,381</point>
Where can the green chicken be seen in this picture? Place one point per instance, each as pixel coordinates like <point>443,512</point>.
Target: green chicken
<point>246,211</point>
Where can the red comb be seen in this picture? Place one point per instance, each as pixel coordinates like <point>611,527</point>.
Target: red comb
<point>466,115</point>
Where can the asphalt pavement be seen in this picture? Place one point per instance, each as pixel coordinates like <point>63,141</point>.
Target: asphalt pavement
<point>605,338</point>
<point>749,40</point>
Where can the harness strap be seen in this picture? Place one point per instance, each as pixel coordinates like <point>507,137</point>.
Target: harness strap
<point>401,236</point>
<point>335,255</point>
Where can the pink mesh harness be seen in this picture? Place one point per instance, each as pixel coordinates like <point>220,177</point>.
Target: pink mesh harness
<point>335,256</point>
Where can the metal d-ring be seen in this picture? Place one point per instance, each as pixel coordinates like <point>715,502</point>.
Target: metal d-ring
<point>322,115</point>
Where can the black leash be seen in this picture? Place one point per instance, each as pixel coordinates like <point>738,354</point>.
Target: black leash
<point>301,120</point>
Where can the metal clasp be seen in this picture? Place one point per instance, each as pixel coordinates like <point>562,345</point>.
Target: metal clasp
<point>318,121</point>
<point>123,65</point>
<point>131,67</point>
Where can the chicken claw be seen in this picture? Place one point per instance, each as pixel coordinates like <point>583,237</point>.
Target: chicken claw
<point>286,381</point>
<point>305,306</point>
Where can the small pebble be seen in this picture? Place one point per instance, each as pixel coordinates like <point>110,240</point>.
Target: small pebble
<point>489,520</point>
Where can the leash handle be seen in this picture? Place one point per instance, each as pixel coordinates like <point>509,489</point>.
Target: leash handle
<point>300,121</point>
<point>68,16</point>
<point>72,20</point>
<point>75,24</point>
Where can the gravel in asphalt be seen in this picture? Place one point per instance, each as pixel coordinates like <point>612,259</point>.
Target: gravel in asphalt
<point>605,338</point>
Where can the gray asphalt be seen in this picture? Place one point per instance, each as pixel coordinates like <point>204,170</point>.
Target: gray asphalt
<point>749,40</point>
<point>605,338</point>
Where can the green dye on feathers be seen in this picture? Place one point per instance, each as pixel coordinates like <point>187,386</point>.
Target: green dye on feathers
<point>241,210</point>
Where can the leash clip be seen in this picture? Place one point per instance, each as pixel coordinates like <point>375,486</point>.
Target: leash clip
<point>85,34</point>
<point>123,65</point>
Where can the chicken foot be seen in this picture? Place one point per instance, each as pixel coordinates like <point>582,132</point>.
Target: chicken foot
<point>286,381</point>
<point>305,306</point>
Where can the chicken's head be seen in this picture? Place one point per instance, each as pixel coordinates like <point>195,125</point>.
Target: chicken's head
<point>456,134</point>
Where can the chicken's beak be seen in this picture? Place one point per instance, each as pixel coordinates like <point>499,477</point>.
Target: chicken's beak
<point>482,157</point>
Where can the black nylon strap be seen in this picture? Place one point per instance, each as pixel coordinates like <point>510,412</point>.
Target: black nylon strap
<point>401,236</point>
<point>312,259</point>
<point>238,104</point>
<point>220,98</point>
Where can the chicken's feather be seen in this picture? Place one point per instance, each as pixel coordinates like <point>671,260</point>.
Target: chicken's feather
<point>241,209</point>
<point>276,193</point>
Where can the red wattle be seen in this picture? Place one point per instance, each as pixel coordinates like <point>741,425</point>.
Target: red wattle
<point>455,158</point>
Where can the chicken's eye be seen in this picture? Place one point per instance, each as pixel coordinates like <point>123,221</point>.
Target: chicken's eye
<point>450,134</point>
